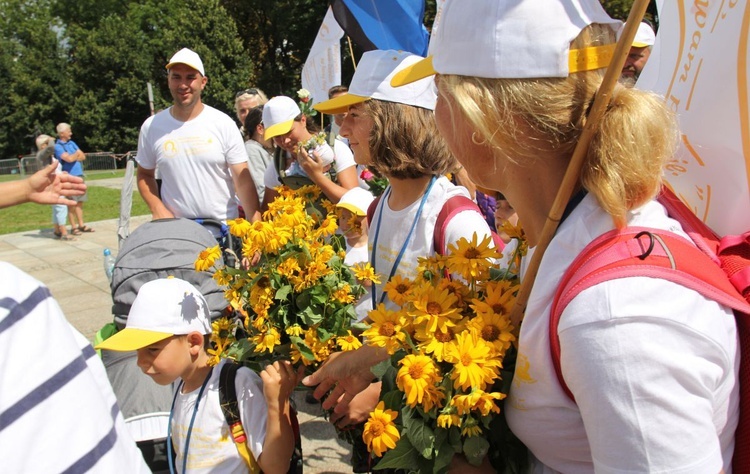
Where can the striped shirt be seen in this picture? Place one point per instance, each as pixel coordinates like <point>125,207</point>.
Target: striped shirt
<point>58,413</point>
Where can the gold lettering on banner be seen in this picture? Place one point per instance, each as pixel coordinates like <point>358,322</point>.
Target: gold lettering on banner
<point>694,43</point>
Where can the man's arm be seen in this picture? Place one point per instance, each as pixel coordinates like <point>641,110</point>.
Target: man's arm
<point>245,188</point>
<point>43,187</point>
<point>77,155</point>
<point>150,193</point>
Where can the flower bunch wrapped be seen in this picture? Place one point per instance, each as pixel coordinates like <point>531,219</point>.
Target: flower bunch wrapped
<point>305,103</point>
<point>452,360</point>
<point>377,184</point>
<point>312,143</point>
<point>295,301</point>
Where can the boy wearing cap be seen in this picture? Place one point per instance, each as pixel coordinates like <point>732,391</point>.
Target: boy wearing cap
<point>169,327</point>
<point>198,151</point>
<point>353,224</point>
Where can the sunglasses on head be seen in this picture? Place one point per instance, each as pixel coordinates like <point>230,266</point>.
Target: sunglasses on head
<point>251,91</point>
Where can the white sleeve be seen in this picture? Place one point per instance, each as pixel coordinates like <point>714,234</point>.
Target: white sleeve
<point>465,224</point>
<point>344,156</point>
<point>253,408</point>
<point>234,147</point>
<point>145,155</point>
<point>648,381</point>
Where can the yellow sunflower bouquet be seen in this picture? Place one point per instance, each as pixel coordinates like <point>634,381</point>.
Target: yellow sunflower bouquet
<point>452,359</point>
<point>295,300</point>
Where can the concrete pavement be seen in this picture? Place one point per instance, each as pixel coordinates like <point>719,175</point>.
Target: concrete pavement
<point>74,273</point>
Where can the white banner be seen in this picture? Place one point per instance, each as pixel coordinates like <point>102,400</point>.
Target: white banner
<point>322,69</point>
<point>700,65</point>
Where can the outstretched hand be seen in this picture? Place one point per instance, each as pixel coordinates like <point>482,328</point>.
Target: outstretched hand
<point>50,188</point>
<point>344,374</point>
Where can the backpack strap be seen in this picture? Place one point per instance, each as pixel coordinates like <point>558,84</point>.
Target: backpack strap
<point>371,210</point>
<point>231,410</point>
<point>639,251</point>
<point>451,207</point>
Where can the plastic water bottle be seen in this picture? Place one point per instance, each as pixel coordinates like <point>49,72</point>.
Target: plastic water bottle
<point>109,263</point>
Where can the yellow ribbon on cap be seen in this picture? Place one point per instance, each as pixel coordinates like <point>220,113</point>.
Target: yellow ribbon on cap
<point>593,57</point>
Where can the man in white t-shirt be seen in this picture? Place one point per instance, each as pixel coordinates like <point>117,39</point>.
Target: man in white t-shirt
<point>198,151</point>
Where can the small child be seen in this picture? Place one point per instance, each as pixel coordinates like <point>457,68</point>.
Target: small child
<point>169,326</point>
<point>353,207</point>
<point>46,153</point>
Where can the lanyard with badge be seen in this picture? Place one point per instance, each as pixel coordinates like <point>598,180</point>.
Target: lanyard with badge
<point>190,427</point>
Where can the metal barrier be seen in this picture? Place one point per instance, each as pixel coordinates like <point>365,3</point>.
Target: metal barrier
<point>100,161</point>
<point>27,164</point>
<point>10,166</point>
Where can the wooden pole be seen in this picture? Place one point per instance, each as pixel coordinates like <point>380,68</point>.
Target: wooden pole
<point>572,174</point>
<point>351,51</point>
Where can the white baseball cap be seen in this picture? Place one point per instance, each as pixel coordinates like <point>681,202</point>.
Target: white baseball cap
<point>372,80</point>
<point>514,40</point>
<point>278,116</point>
<point>188,57</point>
<point>356,201</point>
<point>644,37</point>
<point>163,308</point>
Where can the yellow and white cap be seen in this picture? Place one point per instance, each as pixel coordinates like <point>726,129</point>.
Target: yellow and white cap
<point>513,40</point>
<point>163,308</point>
<point>188,57</point>
<point>278,116</point>
<point>372,80</point>
<point>356,201</point>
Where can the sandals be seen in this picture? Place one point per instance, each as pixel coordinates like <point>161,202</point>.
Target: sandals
<point>85,228</point>
<point>57,234</point>
<point>75,231</point>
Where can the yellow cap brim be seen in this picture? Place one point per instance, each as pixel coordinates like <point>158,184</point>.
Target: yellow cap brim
<point>638,44</point>
<point>413,73</point>
<point>278,129</point>
<point>131,339</point>
<point>340,104</point>
<point>351,208</point>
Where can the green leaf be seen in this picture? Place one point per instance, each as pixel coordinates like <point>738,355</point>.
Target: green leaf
<point>283,293</point>
<point>420,434</point>
<point>476,449</point>
<point>403,456</point>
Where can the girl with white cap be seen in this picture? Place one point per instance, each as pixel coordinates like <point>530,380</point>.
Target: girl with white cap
<point>650,363</point>
<point>392,131</point>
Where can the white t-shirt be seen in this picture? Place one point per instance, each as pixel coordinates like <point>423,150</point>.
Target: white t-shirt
<point>356,255</point>
<point>193,161</point>
<point>57,409</point>
<point>392,228</point>
<point>343,159</point>
<point>211,446</point>
<point>652,366</point>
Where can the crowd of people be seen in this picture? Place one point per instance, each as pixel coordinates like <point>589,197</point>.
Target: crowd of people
<point>650,365</point>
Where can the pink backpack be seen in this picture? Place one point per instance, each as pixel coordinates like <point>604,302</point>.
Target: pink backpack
<point>717,268</point>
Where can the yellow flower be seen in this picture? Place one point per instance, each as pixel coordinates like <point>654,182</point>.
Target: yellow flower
<point>471,428</point>
<point>294,330</point>
<point>417,372</point>
<point>399,289</point>
<point>471,260</point>
<point>494,329</point>
<point>380,433</point>
<point>478,400</point>
<point>349,342</point>
<point>267,341</point>
<point>435,308</point>
<point>433,397</point>
<point>432,266</point>
<point>222,278</point>
<point>385,329</point>
<point>435,343</point>
<point>207,258</point>
<point>473,363</point>
<point>239,227</point>
<point>363,271</point>
<point>446,420</point>
<point>327,227</point>
<point>498,299</point>
<point>343,294</point>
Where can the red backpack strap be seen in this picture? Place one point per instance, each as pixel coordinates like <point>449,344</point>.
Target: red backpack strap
<point>451,207</point>
<point>371,209</point>
<point>639,251</point>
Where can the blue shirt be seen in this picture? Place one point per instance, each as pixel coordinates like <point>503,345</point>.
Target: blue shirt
<point>75,168</point>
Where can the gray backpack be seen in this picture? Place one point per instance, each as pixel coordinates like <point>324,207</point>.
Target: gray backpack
<point>158,249</point>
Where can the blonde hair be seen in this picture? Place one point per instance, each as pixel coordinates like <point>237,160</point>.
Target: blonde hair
<point>61,127</point>
<point>43,141</point>
<point>535,119</point>
<point>246,95</point>
<point>405,142</point>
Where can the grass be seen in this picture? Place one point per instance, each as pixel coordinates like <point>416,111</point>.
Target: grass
<point>103,204</point>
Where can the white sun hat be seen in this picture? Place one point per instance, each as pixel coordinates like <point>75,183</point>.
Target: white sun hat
<point>503,39</point>
<point>163,308</point>
<point>356,201</point>
<point>278,116</point>
<point>188,57</point>
<point>372,80</point>
<point>644,37</point>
